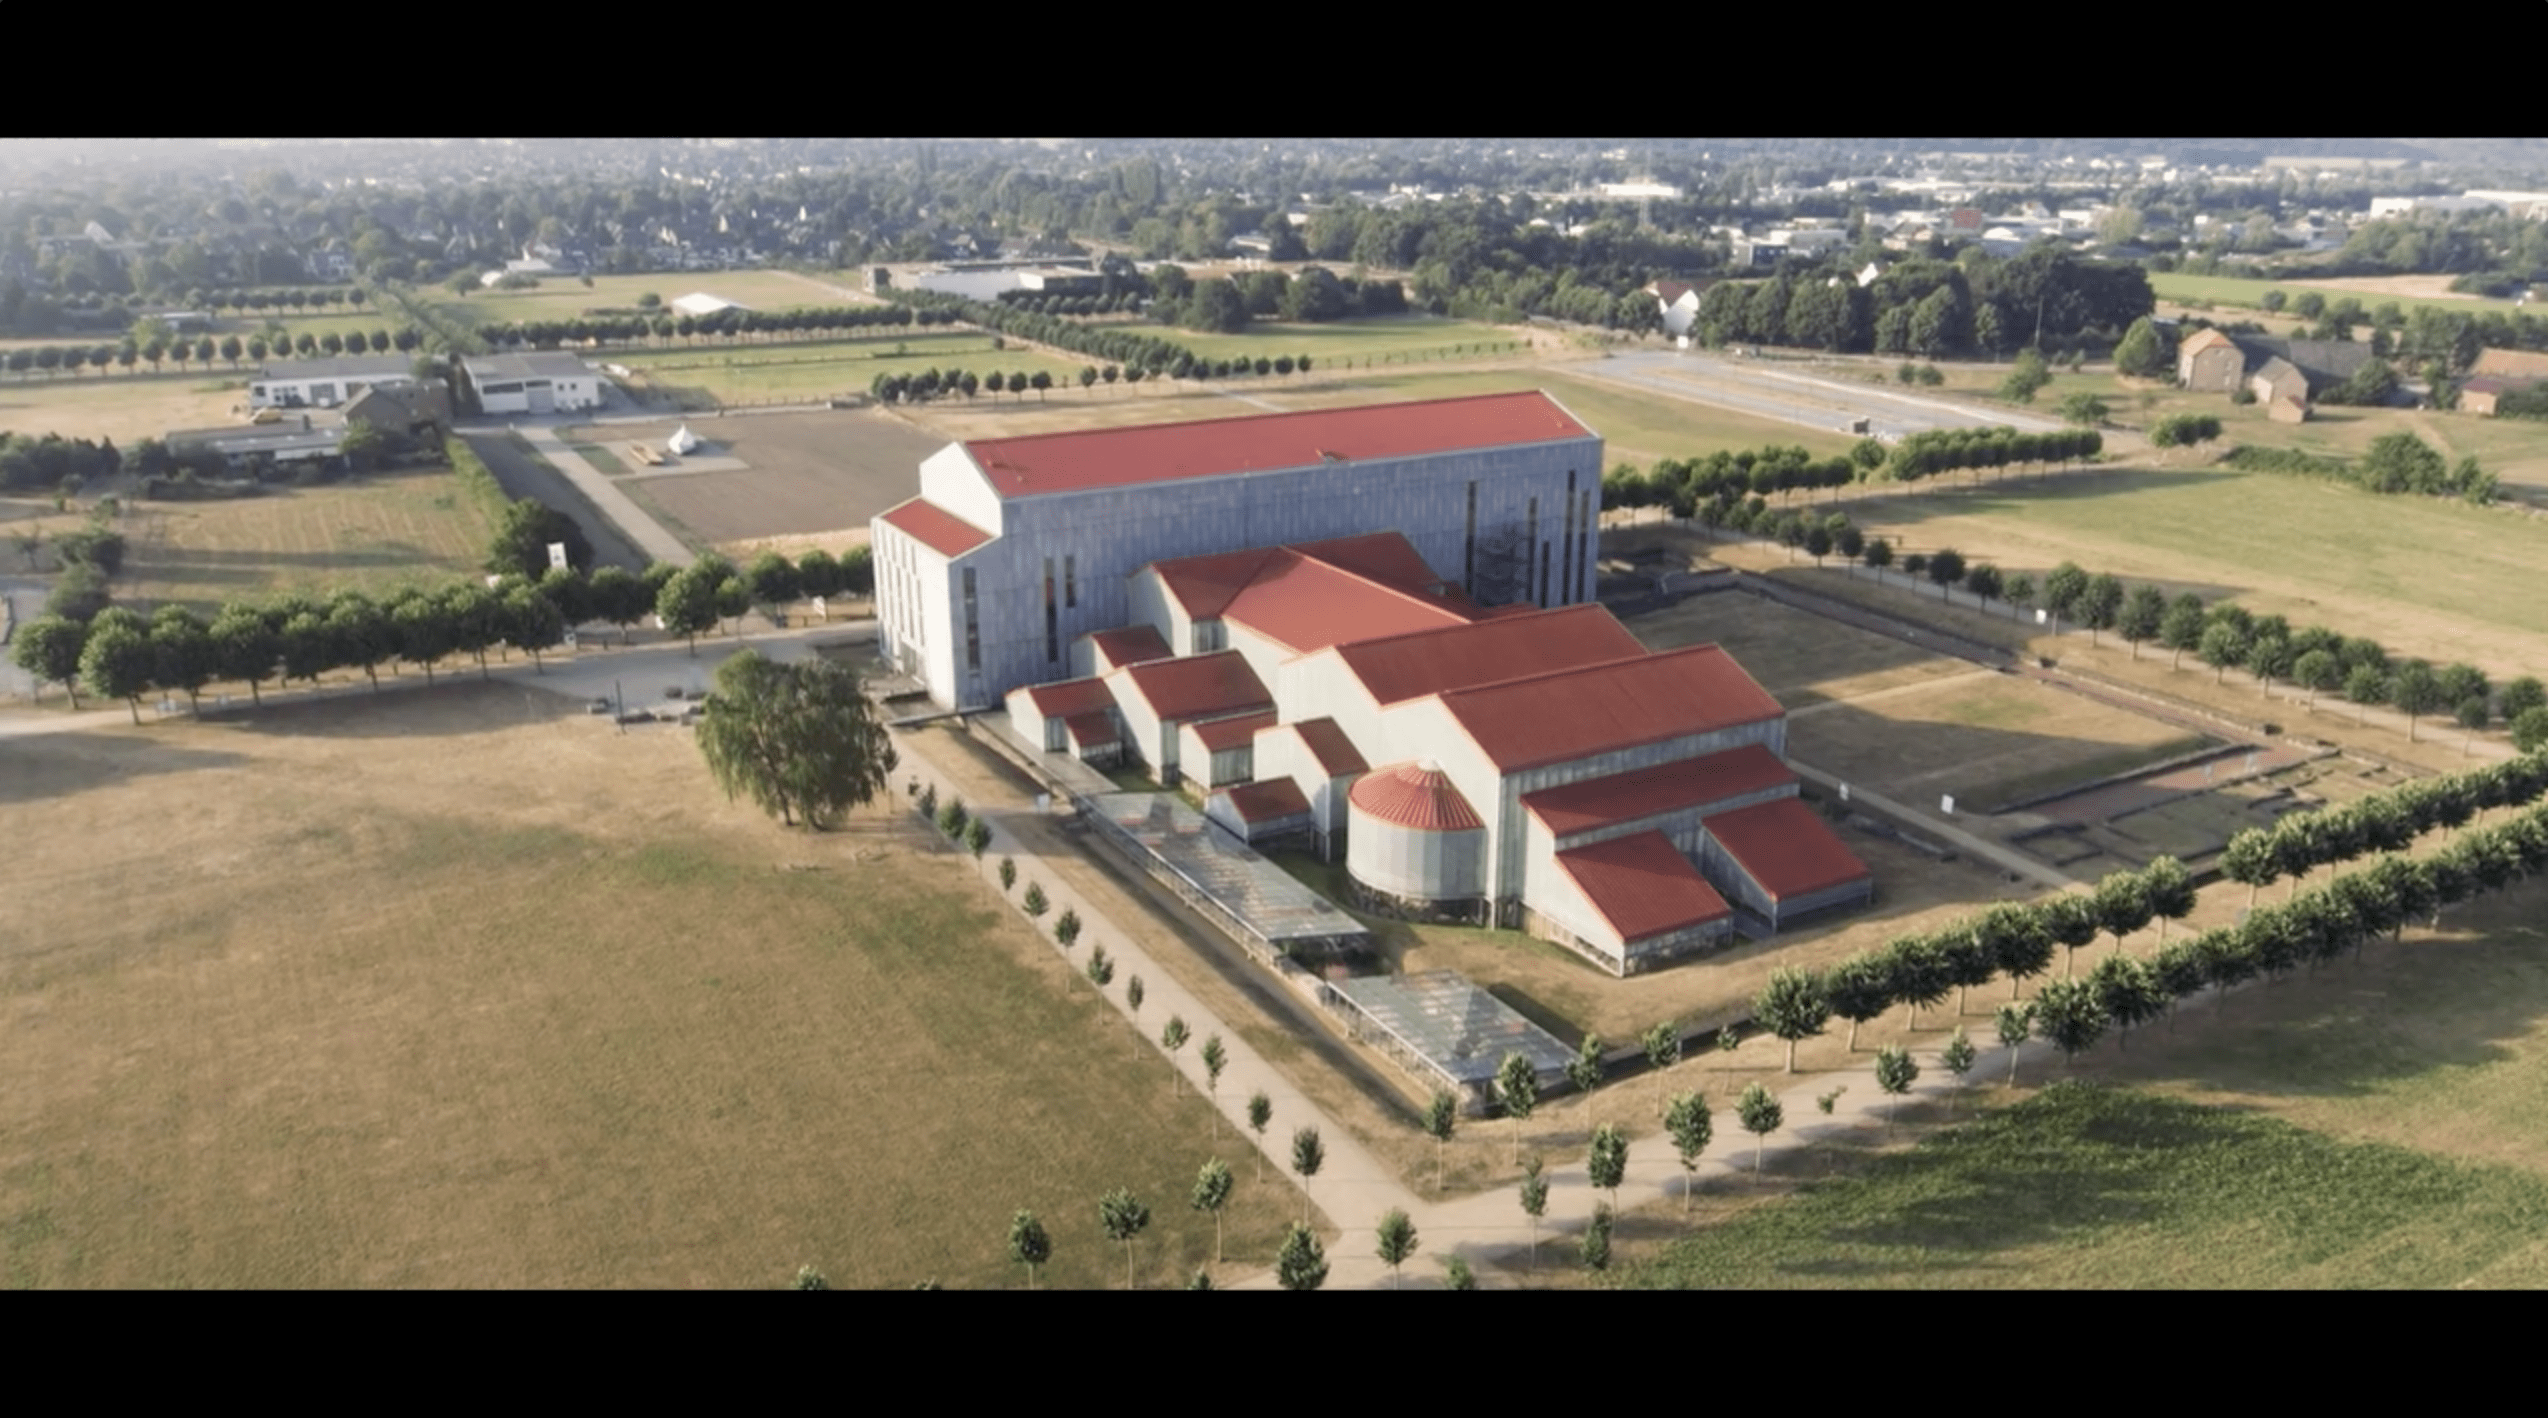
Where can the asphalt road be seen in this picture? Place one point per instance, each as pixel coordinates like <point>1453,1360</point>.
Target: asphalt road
<point>1807,400</point>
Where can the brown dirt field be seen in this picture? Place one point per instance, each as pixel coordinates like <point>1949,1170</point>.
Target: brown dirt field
<point>461,988</point>
<point>2428,287</point>
<point>126,408</point>
<point>811,474</point>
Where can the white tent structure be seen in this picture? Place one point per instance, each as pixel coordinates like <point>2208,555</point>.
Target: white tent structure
<point>682,441</point>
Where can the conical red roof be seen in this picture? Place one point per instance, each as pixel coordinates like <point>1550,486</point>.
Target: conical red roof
<point>1416,795</point>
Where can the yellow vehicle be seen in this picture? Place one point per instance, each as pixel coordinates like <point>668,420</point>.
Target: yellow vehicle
<point>266,416</point>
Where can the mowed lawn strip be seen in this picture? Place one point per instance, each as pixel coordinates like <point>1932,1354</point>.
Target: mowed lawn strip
<point>2100,1187</point>
<point>407,527</point>
<point>461,988</point>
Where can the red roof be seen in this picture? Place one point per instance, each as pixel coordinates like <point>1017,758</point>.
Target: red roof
<point>1386,557</point>
<point>1416,795</point>
<point>1670,291</point>
<point>1063,698</point>
<point>1411,666</point>
<point>935,527</point>
<point>1269,801</point>
<point>1222,735</point>
<point>1576,713</point>
<point>1643,886</point>
<point>1327,743</point>
<point>1786,847</point>
<point>1204,586</point>
<point>1667,787</point>
<point>1130,645</point>
<point>1199,686</point>
<point>1119,457</point>
<point>1305,605</point>
<point>1091,730</point>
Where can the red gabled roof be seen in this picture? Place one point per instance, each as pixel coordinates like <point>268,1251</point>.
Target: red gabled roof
<point>1386,557</point>
<point>1130,645</point>
<point>1064,698</point>
<point>1416,795</point>
<point>1238,731</point>
<point>1666,787</point>
<point>1327,743</point>
<point>1305,604</point>
<point>1199,686</point>
<point>1091,730</point>
<point>1786,847</point>
<point>1118,457</point>
<point>1269,801</point>
<point>1204,586</point>
<point>1576,713</point>
<point>1411,666</point>
<point>935,527</point>
<point>1643,886</point>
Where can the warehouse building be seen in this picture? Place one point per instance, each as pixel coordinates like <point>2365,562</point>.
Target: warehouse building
<point>1017,548</point>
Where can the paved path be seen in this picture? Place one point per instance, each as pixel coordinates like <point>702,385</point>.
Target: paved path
<point>1806,400</point>
<point>633,521</point>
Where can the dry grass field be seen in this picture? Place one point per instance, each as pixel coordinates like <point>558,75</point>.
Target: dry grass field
<point>407,527</point>
<point>565,297</point>
<point>461,988</point>
<point>810,474</point>
<point>126,408</point>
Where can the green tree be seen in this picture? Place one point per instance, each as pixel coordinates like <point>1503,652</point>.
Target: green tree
<point>799,739</point>
<point>1441,1118</point>
<point>977,840</point>
<point>1662,1047</point>
<point>1517,1090</point>
<point>1302,1263</point>
<point>2366,685</point>
<point>1946,567</point>
<point>1397,1242</point>
<point>245,648</point>
<point>2125,993</point>
<point>49,651</point>
<point>1793,1006</point>
<point>2073,922</point>
<point>1133,995</point>
<point>2145,609</point>
<point>1173,1039</point>
<point>2083,408</point>
<point>618,598</point>
<point>1211,1193</point>
<point>2319,672</point>
<point>1456,1274</point>
<point>2224,644</point>
<point>1691,1128</point>
<point>1202,1274</point>
<point>2026,378</point>
<point>1895,1073</point>
<point>1607,1165</point>
<point>687,605</point>
<point>2181,629</point>
<point>2121,903</point>
<point>2018,940</point>
<point>1029,1246</point>
<point>2015,1024</point>
<point>1534,1197</point>
<point>2138,353</point>
<point>1858,990</point>
<point>1215,1058</point>
<point>2068,1013</point>
<point>1308,1155</point>
<point>1124,1219</point>
<point>522,538</point>
<point>1594,1250</point>
<point>1035,902</point>
<point>2168,889</point>
<point>1584,1070</point>
<point>532,623</point>
<point>182,654</point>
<point>2415,690</point>
<point>2065,586</point>
<point>117,662</point>
<point>808,1278</point>
<point>1957,1057</point>
<point>1760,1114</point>
<point>2101,605</point>
<point>2530,730</point>
<point>1008,874</point>
<point>1260,1111</point>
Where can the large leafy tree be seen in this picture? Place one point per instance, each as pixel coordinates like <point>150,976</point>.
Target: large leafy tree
<point>2181,629</point>
<point>117,663</point>
<point>1794,1007</point>
<point>522,538</point>
<point>2068,1013</point>
<point>49,649</point>
<point>423,626</point>
<point>1517,1089</point>
<point>800,739</point>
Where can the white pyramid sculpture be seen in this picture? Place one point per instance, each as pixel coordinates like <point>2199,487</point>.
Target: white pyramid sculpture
<point>682,441</point>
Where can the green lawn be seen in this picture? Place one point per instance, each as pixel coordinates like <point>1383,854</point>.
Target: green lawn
<point>1384,340</point>
<point>565,297</point>
<point>746,372</point>
<point>2095,1187</point>
<point>1635,426</point>
<point>2246,290</point>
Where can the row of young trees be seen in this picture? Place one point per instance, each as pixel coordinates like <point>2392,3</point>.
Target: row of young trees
<point>733,323</point>
<point>2301,842</point>
<point>49,360</point>
<point>1934,452</point>
<point>2312,928</point>
<point>117,654</point>
<point>2018,939</point>
<point>1113,344</point>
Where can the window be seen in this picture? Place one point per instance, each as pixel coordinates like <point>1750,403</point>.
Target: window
<point>972,624</point>
<point>1468,566</point>
<point>1070,581</point>
<point>1052,617</point>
